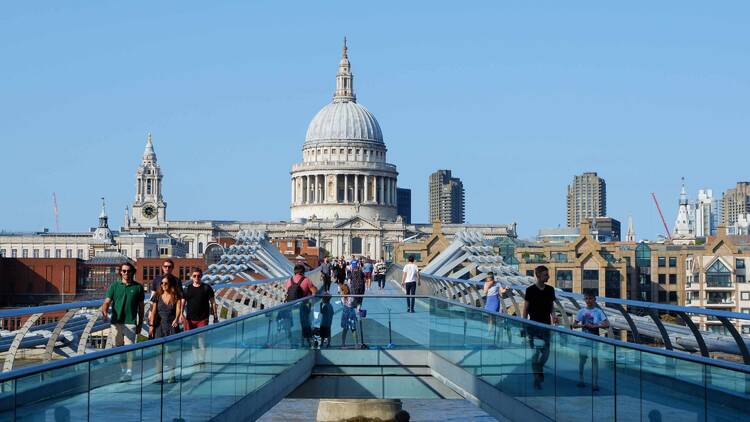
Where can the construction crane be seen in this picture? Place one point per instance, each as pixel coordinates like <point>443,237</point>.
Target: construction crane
<point>54,208</point>
<point>663,221</point>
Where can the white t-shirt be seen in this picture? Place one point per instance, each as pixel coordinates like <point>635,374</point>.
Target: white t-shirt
<point>411,271</point>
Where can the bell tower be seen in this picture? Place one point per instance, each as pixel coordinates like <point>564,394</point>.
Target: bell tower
<point>149,208</point>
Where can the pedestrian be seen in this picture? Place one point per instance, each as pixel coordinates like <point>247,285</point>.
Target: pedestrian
<point>341,273</point>
<point>199,303</point>
<point>126,298</point>
<point>357,284</point>
<point>325,274</point>
<point>367,269</point>
<point>348,315</point>
<point>409,281</point>
<point>590,319</point>
<point>326,320</point>
<point>167,270</point>
<point>493,291</point>
<point>538,306</point>
<point>164,320</point>
<point>298,287</point>
<point>379,273</point>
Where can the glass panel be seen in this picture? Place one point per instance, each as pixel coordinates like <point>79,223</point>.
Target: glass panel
<point>116,386</point>
<point>728,394</point>
<point>574,378</point>
<point>58,394</point>
<point>684,399</point>
<point>628,385</point>
<point>602,367</point>
<point>6,400</point>
<point>151,386</point>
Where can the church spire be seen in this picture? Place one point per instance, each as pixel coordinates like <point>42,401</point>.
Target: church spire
<point>148,152</point>
<point>344,79</point>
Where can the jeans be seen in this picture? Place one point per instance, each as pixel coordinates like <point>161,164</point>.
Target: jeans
<point>381,280</point>
<point>326,282</point>
<point>411,289</point>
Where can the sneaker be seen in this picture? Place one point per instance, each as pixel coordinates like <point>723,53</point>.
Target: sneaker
<point>126,377</point>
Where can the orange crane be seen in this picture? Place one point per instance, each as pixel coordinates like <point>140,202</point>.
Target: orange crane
<point>658,208</point>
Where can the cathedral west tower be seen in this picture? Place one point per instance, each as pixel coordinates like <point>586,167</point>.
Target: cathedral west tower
<point>149,208</point>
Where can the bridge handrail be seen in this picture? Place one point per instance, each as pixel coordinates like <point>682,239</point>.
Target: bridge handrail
<point>35,369</point>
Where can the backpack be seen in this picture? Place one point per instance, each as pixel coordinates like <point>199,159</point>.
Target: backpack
<point>295,290</point>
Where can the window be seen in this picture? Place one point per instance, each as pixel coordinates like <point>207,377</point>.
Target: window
<point>564,280</point>
<point>200,247</point>
<point>80,254</point>
<point>673,296</point>
<point>745,310</point>
<point>58,253</point>
<point>672,261</point>
<point>662,296</point>
<point>612,280</point>
<point>745,295</point>
<point>148,253</point>
<point>35,253</point>
<point>559,257</point>
<point>662,278</point>
<point>25,253</point>
<point>529,273</point>
<point>662,261</point>
<point>14,253</point>
<point>739,263</point>
<point>746,329</point>
<point>673,279</point>
<point>69,253</point>
<point>137,253</point>
<point>740,278</point>
<point>718,275</point>
<point>46,253</point>
<point>2,252</point>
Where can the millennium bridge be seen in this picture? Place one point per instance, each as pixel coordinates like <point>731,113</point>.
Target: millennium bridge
<point>649,367</point>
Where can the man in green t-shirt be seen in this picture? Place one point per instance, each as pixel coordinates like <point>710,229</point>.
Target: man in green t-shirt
<point>126,298</point>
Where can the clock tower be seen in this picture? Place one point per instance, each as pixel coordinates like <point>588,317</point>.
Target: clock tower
<point>149,208</point>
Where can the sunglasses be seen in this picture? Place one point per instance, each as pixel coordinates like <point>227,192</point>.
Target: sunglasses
<point>167,266</point>
<point>124,271</point>
<point>165,283</point>
<point>195,275</point>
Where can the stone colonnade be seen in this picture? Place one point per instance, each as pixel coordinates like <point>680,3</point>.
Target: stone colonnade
<point>343,189</point>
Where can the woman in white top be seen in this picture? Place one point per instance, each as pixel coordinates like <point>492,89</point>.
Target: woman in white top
<point>493,291</point>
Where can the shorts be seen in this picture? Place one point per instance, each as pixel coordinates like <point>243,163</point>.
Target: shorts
<point>123,334</point>
<point>368,275</point>
<point>191,324</point>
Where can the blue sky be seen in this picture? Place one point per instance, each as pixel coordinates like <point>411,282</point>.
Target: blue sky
<point>514,97</point>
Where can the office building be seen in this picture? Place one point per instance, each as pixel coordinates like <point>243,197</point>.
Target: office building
<point>403,204</point>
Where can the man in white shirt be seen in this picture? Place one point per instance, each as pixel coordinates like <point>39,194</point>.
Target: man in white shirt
<point>410,280</point>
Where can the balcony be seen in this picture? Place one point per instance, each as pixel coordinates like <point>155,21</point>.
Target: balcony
<point>719,285</point>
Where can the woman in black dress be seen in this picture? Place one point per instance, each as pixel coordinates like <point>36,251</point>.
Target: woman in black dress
<point>164,318</point>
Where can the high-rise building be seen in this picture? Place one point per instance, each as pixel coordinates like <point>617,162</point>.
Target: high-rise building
<point>446,198</point>
<point>705,214</point>
<point>735,203</point>
<point>587,198</point>
<point>403,204</point>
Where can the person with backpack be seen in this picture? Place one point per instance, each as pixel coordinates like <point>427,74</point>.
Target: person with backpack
<point>299,287</point>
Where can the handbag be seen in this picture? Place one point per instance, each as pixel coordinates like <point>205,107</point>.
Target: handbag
<point>362,313</point>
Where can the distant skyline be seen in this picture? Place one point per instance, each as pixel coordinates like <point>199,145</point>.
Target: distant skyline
<point>515,99</point>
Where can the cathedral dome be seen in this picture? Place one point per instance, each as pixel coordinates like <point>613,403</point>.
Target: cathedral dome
<point>345,120</point>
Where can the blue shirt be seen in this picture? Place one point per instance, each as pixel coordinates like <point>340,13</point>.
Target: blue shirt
<point>591,316</point>
<point>367,267</point>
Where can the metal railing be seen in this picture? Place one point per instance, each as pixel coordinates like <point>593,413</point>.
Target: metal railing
<point>642,321</point>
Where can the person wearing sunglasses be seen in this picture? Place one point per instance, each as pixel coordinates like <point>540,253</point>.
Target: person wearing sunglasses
<point>126,298</point>
<point>167,270</point>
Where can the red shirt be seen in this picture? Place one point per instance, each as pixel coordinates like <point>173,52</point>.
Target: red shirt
<point>306,284</point>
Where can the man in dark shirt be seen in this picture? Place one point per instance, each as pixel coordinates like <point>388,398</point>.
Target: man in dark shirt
<point>167,268</point>
<point>325,274</point>
<point>538,306</point>
<point>199,302</point>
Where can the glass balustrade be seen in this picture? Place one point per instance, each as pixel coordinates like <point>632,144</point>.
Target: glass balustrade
<point>563,374</point>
